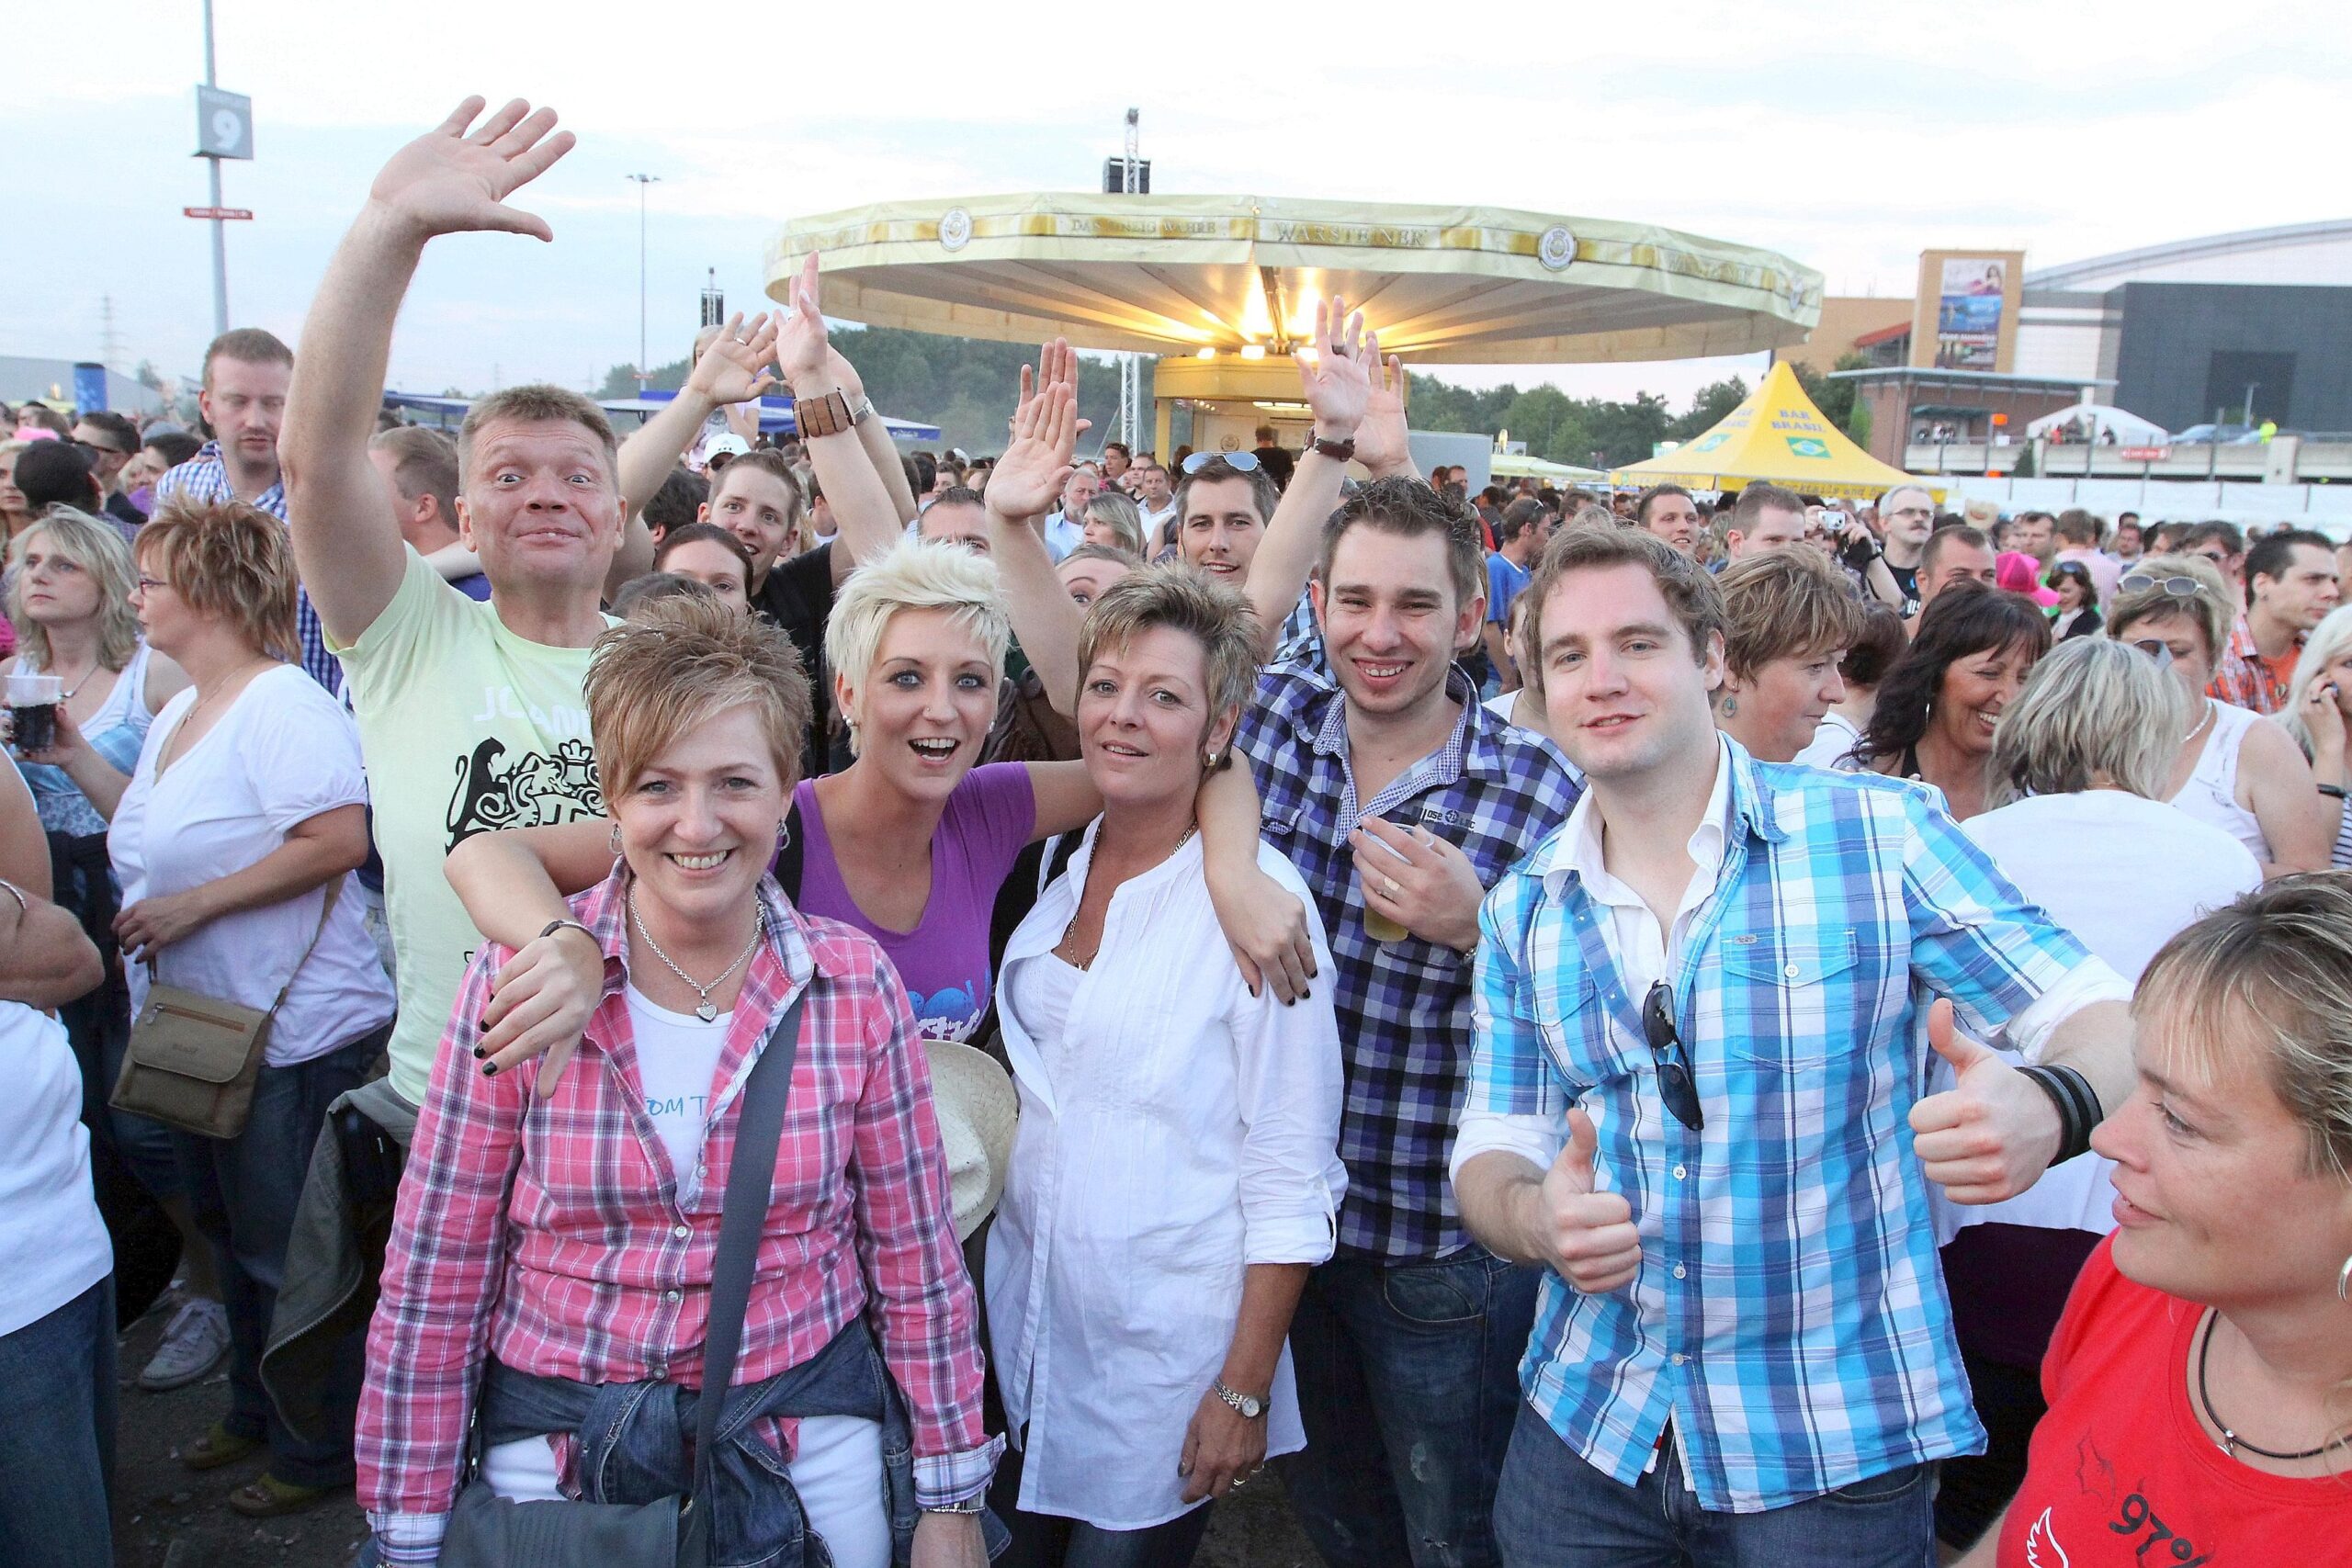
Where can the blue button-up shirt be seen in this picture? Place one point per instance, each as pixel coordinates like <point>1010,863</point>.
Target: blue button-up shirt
<point>205,478</point>
<point>1789,1315</point>
<point>1492,790</point>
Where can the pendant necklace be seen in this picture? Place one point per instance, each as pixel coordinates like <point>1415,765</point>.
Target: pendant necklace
<point>705,1010</point>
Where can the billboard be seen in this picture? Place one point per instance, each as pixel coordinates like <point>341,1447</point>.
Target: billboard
<point>1965,313</point>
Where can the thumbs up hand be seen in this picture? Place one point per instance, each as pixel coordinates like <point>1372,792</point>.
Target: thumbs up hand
<point>1587,1236</point>
<point>1993,1133</point>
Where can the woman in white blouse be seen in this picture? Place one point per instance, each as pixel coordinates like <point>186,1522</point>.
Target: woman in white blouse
<point>1176,1170</point>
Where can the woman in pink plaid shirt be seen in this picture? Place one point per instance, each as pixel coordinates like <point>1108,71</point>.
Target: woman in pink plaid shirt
<point>550,1259</point>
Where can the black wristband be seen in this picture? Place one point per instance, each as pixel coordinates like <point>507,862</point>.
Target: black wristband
<point>2078,1107</point>
<point>2334,791</point>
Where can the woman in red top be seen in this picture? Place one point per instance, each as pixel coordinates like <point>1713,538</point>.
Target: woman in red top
<point>2200,1381</point>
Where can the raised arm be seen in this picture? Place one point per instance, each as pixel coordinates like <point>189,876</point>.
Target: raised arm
<point>448,181</point>
<point>730,372</point>
<point>1337,385</point>
<point>868,519</point>
<point>1027,478</point>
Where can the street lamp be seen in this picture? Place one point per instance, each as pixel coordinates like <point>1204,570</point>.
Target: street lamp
<point>642,181</point>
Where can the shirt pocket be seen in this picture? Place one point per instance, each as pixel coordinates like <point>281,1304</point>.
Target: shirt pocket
<point>1576,1024</point>
<point>1788,999</point>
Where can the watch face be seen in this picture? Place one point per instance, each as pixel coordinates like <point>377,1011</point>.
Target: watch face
<point>1252,1408</point>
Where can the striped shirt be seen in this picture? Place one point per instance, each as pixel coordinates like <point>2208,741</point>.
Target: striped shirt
<point>550,1233</point>
<point>1789,1316</point>
<point>1492,790</point>
<point>205,478</point>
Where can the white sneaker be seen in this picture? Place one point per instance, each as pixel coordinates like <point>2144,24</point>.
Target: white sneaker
<point>193,1344</point>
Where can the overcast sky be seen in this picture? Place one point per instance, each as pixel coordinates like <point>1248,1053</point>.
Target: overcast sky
<point>2068,129</point>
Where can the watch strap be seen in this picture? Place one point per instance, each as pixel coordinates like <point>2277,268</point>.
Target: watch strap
<point>1239,1401</point>
<point>1342,450</point>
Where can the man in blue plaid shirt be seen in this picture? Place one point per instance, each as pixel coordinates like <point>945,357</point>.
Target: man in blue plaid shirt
<point>245,375</point>
<point>1399,800</point>
<point>1705,1013</point>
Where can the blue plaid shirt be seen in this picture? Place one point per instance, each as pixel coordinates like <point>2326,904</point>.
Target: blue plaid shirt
<point>1492,790</point>
<point>1789,1315</point>
<point>205,478</point>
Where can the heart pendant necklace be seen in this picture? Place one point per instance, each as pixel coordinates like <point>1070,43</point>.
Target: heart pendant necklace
<point>706,1010</point>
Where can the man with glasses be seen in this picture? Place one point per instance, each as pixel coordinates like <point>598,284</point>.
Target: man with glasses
<point>1707,1011</point>
<point>111,441</point>
<point>2221,543</point>
<point>1906,516</point>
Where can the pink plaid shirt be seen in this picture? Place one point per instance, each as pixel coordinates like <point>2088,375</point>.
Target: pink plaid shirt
<point>549,1232</point>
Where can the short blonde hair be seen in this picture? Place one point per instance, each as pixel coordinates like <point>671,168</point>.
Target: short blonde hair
<point>1183,599</point>
<point>2322,649</point>
<point>230,562</point>
<point>97,548</point>
<point>2091,708</point>
<point>1785,604</point>
<point>917,574</point>
<point>2273,969</point>
<point>682,662</point>
<point>2211,609</point>
<point>535,403</point>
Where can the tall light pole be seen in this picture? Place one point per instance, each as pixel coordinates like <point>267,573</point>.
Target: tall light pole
<point>642,181</point>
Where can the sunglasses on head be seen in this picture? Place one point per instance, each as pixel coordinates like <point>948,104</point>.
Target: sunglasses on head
<point>1245,461</point>
<point>2176,587</point>
<point>1675,1084</point>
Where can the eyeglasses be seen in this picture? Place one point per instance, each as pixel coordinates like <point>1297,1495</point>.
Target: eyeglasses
<point>1675,1084</point>
<point>1245,461</point>
<point>100,448</point>
<point>2176,586</point>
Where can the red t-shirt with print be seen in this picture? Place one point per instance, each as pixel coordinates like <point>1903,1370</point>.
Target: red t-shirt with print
<point>2121,1475</point>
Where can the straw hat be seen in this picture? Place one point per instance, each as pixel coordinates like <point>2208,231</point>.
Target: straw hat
<point>977,1107</point>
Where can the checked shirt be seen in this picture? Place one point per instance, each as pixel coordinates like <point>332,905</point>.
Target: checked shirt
<point>551,1233</point>
<point>1492,791</point>
<point>1789,1315</point>
<point>205,478</point>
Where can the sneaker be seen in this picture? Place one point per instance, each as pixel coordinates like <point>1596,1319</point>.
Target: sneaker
<point>194,1342</point>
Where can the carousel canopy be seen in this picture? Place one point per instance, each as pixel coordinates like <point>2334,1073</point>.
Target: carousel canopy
<point>1218,275</point>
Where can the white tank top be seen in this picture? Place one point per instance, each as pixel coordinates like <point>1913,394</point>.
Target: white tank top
<point>2211,793</point>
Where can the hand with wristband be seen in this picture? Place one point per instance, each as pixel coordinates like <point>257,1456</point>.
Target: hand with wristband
<point>1992,1134</point>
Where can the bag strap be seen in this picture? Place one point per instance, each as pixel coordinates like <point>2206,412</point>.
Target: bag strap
<point>759,1125</point>
<point>334,891</point>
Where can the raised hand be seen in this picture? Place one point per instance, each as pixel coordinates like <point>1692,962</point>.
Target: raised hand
<point>1036,462</point>
<point>1335,378</point>
<point>453,181</point>
<point>1587,1236</point>
<point>1383,445</point>
<point>734,368</point>
<point>803,347</point>
<point>1993,1133</point>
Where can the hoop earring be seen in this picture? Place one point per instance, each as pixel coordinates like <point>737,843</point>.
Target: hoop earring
<point>783,835</point>
<point>614,843</point>
<point>1731,707</point>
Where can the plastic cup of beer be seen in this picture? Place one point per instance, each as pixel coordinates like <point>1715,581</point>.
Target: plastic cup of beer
<point>1377,926</point>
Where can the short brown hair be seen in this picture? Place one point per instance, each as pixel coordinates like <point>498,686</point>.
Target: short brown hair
<point>1757,499</point>
<point>1688,587</point>
<point>771,462</point>
<point>1264,494</point>
<point>704,533</point>
<point>683,661</point>
<point>246,346</point>
<point>1650,497</point>
<point>536,402</point>
<point>1785,603</point>
<point>1411,510</point>
<point>1182,599</point>
<point>424,462</point>
<point>230,562</point>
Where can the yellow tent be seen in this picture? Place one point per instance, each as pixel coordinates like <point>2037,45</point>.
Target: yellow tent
<point>1777,435</point>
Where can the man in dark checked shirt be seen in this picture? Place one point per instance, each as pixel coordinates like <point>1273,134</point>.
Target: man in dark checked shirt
<point>1400,800</point>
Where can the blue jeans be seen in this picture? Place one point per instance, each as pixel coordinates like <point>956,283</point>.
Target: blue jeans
<point>1048,1541</point>
<point>57,1444</point>
<point>1557,1511</point>
<point>1407,1379</point>
<point>243,1191</point>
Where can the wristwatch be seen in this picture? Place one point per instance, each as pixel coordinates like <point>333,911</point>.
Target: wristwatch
<point>1342,450</point>
<point>1249,1406</point>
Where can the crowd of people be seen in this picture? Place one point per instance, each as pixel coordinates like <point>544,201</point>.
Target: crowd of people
<point>904,1010</point>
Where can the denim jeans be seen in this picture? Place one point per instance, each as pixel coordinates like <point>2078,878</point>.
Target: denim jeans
<point>1556,1511</point>
<point>243,1191</point>
<point>1048,1541</point>
<point>1408,1378</point>
<point>57,1444</point>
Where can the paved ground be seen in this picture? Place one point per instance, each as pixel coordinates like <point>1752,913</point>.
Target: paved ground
<point>167,1515</point>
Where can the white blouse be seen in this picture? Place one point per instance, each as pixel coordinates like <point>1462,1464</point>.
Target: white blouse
<point>1174,1130</point>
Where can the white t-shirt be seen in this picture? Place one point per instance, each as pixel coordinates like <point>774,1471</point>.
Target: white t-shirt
<point>676,1055</point>
<point>1832,738</point>
<point>2125,873</point>
<point>53,1244</point>
<point>284,753</point>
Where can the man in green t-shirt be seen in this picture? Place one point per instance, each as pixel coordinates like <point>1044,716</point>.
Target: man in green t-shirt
<point>471,715</point>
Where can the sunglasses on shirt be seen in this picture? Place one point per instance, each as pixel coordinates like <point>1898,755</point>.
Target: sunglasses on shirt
<point>1675,1084</point>
<point>1245,461</point>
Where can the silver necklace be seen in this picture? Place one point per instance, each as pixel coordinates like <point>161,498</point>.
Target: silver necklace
<point>706,1010</point>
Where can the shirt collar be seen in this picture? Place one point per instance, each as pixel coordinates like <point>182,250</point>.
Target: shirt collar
<point>603,909</point>
<point>1739,794</point>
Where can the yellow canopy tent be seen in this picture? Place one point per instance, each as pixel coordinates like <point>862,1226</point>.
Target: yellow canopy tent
<point>1776,436</point>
